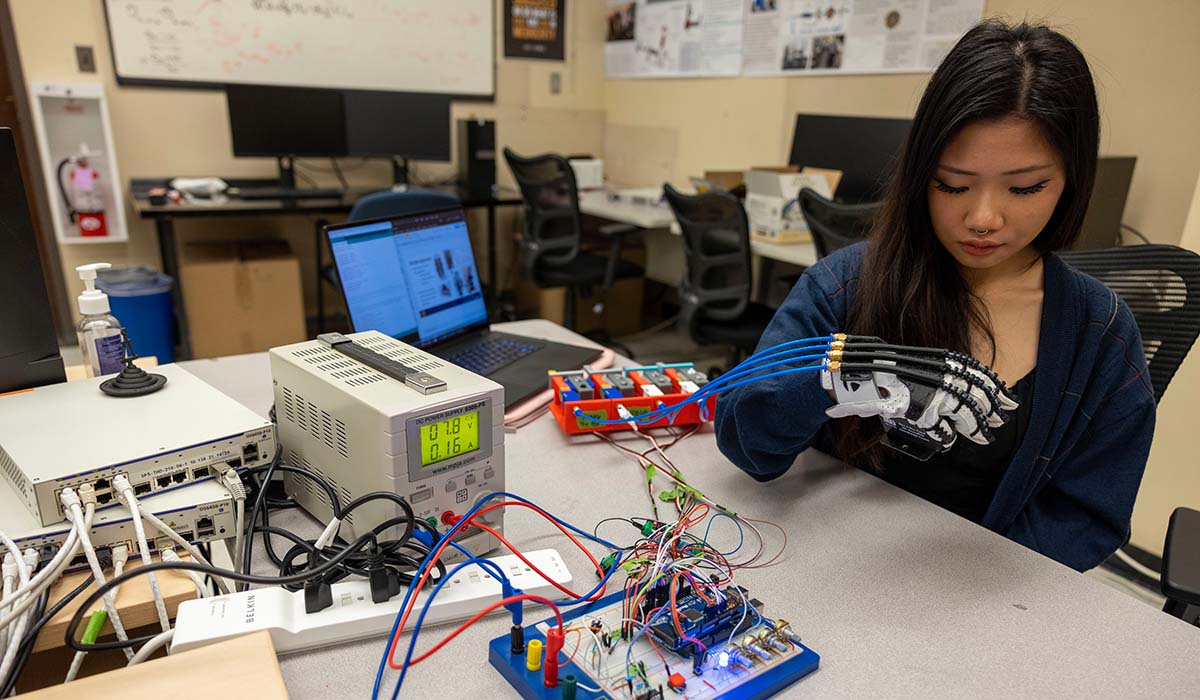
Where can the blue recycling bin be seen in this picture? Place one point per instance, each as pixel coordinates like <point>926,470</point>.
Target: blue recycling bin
<point>141,300</point>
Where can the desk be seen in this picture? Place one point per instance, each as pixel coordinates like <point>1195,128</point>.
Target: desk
<point>901,598</point>
<point>164,217</point>
<point>596,203</point>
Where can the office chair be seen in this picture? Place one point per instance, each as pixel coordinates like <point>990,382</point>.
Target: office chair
<point>1161,285</point>
<point>1180,581</point>
<point>835,225</point>
<point>551,254</point>
<point>376,205</point>
<point>715,290</point>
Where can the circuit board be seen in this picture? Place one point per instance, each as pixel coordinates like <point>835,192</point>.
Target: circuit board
<point>770,670</point>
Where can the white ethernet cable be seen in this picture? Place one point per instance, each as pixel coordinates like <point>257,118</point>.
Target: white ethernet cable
<point>46,575</point>
<point>120,559</point>
<point>14,562</point>
<point>188,547</point>
<point>71,504</point>
<point>169,555</point>
<point>125,494</point>
<point>238,490</point>
<point>10,580</point>
<point>159,641</point>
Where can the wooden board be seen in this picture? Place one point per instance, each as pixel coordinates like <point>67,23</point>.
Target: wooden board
<point>242,667</point>
<point>134,602</point>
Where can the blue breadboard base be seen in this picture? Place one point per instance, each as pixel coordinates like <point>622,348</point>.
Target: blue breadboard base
<point>530,684</point>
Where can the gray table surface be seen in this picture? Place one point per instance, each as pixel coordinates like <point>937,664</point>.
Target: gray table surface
<point>900,598</point>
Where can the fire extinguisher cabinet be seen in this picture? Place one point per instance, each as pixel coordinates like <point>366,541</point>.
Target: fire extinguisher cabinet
<point>79,161</point>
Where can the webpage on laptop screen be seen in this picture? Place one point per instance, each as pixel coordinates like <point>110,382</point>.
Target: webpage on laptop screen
<point>412,278</point>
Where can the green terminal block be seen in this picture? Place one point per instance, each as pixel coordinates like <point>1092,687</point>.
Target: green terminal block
<point>607,562</point>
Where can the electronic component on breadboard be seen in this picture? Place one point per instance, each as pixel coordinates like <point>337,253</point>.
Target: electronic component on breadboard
<point>747,656</point>
<point>583,396</point>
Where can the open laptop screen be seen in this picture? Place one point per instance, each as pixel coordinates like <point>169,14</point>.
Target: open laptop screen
<point>411,277</point>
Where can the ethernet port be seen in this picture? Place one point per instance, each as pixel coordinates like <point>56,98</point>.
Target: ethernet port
<point>204,524</point>
<point>100,484</point>
<point>163,481</point>
<point>179,477</point>
<point>188,535</point>
<point>79,560</point>
<point>201,473</point>
<point>236,462</point>
<point>141,489</point>
<point>250,453</point>
<point>104,498</point>
<point>208,532</point>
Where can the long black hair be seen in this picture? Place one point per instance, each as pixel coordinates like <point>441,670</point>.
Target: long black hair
<point>911,291</point>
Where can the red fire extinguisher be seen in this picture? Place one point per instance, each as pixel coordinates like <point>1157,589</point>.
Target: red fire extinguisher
<point>85,204</point>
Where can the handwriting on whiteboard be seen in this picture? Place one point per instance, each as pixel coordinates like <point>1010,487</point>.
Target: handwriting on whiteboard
<point>413,45</point>
<point>311,8</point>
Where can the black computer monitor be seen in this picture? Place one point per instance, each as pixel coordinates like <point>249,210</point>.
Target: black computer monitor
<point>410,125</point>
<point>865,149</point>
<point>276,121</point>
<point>29,353</point>
<point>1102,222</point>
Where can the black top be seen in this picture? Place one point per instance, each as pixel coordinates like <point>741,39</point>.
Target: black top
<point>964,479</point>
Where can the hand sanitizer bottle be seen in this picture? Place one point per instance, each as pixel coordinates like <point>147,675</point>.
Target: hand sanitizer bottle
<point>98,330</point>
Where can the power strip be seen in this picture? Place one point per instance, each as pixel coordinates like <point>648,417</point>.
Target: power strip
<point>353,615</point>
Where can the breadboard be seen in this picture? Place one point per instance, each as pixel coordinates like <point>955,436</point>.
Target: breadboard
<point>761,680</point>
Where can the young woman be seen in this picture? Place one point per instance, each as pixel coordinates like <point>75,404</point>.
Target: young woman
<point>995,177</point>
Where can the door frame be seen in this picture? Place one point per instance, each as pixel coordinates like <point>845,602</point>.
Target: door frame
<point>52,271</point>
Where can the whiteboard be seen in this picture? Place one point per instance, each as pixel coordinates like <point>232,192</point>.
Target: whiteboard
<point>440,46</point>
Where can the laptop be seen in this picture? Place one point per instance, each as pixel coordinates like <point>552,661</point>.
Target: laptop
<point>414,278</point>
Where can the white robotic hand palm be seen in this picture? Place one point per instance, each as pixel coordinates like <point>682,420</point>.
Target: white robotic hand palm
<point>924,396</point>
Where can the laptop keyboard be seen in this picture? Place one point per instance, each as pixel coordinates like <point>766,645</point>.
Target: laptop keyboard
<point>491,354</point>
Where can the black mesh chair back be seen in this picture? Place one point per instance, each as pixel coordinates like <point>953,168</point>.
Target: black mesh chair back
<point>1161,285</point>
<point>834,225</point>
<point>552,231</point>
<point>717,244</point>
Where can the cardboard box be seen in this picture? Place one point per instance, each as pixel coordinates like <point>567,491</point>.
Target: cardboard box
<point>622,313</point>
<point>730,180</point>
<point>771,206</point>
<point>241,297</point>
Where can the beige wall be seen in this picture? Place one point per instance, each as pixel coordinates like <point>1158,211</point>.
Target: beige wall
<point>1144,57</point>
<point>1173,474</point>
<point>161,131</point>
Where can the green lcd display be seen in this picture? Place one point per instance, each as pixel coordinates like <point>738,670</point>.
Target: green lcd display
<point>449,438</point>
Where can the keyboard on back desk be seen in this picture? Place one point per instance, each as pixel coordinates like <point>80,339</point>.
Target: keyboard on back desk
<point>492,354</point>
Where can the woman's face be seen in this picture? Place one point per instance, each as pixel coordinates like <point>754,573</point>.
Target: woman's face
<point>993,190</point>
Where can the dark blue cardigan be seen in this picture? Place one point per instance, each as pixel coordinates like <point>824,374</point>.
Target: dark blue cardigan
<point>1070,488</point>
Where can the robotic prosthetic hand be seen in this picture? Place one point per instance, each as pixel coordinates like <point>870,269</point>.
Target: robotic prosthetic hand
<point>925,397</point>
